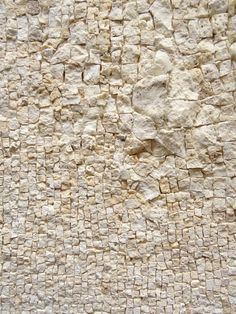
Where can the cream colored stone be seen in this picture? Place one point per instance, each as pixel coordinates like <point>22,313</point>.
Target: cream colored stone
<point>33,113</point>
<point>149,97</point>
<point>182,85</point>
<point>91,74</point>
<point>182,113</point>
<point>79,33</point>
<point>62,54</point>
<point>143,127</point>
<point>160,64</point>
<point>207,115</point>
<point>79,55</point>
<point>161,11</point>
<point>172,140</point>
<point>22,115</point>
<point>117,156</point>
<point>205,135</point>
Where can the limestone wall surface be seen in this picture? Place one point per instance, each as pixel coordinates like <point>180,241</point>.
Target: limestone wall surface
<point>117,158</point>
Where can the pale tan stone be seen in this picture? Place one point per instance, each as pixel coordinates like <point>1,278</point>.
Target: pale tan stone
<point>117,156</point>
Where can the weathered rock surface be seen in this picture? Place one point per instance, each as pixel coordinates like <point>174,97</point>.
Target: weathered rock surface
<point>117,156</point>
<point>143,127</point>
<point>150,97</point>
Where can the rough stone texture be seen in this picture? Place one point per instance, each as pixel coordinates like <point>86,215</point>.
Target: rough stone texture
<point>118,156</point>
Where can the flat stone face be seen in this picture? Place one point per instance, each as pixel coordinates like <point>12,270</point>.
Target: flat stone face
<point>117,156</point>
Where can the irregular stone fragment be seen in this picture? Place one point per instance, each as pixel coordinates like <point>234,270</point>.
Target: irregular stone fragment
<point>130,54</point>
<point>3,124</point>
<point>143,127</point>
<point>161,11</point>
<point>205,28</point>
<point>220,23</point>
<point>22,115</point>
<point>182,113</point>
<point>79,55</point>
<point>33,7</point>
<point>79,33</point>
<point>134,146</point>
<point>207,115</point>
<point>149,191</point>
<point>149,97</point>
<point>33,113</point>
<point>162,62</point>
<point>218,6</point>
<point>91,74</point>
<point>205,135</point>
<point>116,13</point>
<point>62,54</point>
<point>155,214</point>
<point>227,131</point>
<point>159,65</point>
<point>90,127</point>
<point>48,211</point>
<point>182,86</point>
<point>132,203</point>
<point>172,140</point>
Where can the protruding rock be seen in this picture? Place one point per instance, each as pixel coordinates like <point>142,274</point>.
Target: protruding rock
<point>79,55</point>
<point>3,123</point>
<point>208,114</point>
<point>161,11</point>
<point>33,113</point>
<point>79,33</point>
<point>205,135</point>
<point>160,64</point>
<point>148,191</point>
<point>143,127</point>
<point>162,60</point>
<point>182,85</point>
<point>134,146</point>
<point>218,6</point>
<point>173,141</point>
<point>48,210</point>
<point>182,113</point>
<point>149,97</point>
<point>91,74</point>
<point>22,115</point>
<point>62,54</point>
<point>156,214</point>
<point>227,131</point>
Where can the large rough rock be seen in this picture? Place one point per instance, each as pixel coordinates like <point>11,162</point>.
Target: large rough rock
<point>182,113</point>
<point>183,86</point>
<point>162,14</point>
<point>173,141</point>
<point>143,127</point>
<point>150,97</point>
<point>157,64</point>
<point>62,54</point>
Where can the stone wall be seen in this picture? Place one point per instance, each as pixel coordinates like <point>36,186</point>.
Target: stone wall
<point>118,150</point>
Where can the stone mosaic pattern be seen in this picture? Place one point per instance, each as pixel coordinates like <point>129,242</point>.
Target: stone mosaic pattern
<point>118,150</point>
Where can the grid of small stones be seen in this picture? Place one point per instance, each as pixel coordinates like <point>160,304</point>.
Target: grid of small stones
<point>118,151</point>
